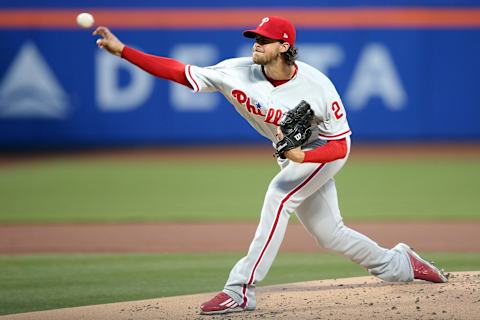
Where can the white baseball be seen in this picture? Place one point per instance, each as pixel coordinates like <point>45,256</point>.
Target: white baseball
<point>85,20</point>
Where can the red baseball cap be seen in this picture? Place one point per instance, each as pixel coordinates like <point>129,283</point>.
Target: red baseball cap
<point>273,27</point>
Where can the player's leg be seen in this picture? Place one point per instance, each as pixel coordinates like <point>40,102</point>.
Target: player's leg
<point>285,193</point>
<point>320,215</point>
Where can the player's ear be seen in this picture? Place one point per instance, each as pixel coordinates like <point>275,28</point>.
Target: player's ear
<point>284,47</point>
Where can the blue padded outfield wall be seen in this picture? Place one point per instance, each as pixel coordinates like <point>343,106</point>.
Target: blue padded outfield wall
<point>398,82</point>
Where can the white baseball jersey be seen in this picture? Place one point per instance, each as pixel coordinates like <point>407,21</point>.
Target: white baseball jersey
<point>245,85</point>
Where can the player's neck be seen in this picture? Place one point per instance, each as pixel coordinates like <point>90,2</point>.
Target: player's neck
<point>279,70</point>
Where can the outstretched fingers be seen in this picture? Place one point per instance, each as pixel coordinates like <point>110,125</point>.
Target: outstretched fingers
<point>108,41</point>
<point>102,31</point>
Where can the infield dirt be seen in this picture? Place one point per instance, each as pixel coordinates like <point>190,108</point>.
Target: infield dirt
<point>162,237</point>
<point>349,298</point>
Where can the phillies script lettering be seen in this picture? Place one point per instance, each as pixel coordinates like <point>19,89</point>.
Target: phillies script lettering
<point>273,115</point>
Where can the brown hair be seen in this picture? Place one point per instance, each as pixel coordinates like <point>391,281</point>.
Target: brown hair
<point>290,55</point>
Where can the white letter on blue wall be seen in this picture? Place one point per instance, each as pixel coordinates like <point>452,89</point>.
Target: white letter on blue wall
<point>321,56</point>
<point>375,76</point>
<point>109,95</point>
<point>181,97</point>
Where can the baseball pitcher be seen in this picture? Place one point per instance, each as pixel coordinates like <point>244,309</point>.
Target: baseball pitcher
<point>299,110</point>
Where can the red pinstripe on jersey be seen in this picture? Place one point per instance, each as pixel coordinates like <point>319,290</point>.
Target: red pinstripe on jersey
<point>196,87</point>
<point>334,136</point>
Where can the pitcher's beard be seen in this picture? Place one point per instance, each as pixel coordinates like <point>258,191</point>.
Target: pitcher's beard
<point>259,60</point>
<point>263,59</point>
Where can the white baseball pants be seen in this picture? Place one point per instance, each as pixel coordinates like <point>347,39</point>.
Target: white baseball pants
<point>309,190</point>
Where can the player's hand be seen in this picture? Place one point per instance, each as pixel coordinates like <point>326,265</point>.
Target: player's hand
<point>108,41</point>
<point>295,155</point>
<point>279,134</point>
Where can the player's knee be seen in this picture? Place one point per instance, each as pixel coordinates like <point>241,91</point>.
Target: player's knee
<point>277,189</point>
<point>329,239</point>
<point>324,240</point>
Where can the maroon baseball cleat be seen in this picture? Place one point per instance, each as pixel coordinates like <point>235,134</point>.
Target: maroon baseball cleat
<point>221,303</point>
<point>422,269</point>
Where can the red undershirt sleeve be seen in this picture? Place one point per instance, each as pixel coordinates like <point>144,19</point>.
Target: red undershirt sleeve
<point>165,68</point>
<point>333,150</point>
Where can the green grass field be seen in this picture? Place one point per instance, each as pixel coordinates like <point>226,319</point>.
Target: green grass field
<point>121,190</point>
<point>42,282</point>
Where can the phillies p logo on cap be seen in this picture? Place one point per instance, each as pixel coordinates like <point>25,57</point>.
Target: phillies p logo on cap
<point>264,20</point>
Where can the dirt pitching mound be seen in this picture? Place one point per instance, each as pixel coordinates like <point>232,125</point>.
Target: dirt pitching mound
<point>350,298</point>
